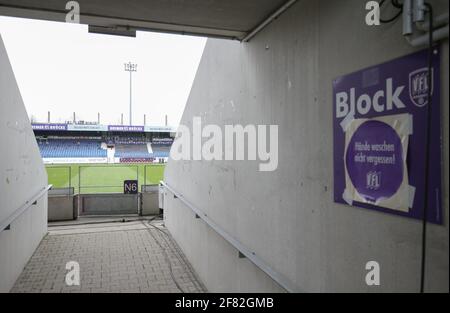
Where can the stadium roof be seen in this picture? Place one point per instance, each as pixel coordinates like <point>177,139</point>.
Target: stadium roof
<point>234,19</point>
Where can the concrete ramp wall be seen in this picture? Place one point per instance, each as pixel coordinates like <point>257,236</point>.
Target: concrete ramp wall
<point>22,177</point>
<point>288,217</point>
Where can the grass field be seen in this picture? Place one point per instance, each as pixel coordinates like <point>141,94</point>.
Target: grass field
<point>102,178</point>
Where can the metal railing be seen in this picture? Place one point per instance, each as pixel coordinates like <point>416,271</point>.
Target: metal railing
<point>282,280</point>
<point>4,225</point>
<point>147,177</point>
<point>109,175</point>
<point>52,170</point>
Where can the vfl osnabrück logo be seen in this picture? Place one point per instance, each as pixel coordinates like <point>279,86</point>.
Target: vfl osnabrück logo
<point>373,180</point>
<point>418,86</point>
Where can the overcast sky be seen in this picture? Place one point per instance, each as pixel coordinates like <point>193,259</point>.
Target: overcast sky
<point>62,68</point>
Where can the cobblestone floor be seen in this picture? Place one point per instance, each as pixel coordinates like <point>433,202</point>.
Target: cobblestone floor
<point>113,257</point>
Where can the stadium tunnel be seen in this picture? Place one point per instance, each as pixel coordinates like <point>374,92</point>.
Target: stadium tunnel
<point>242,229</point>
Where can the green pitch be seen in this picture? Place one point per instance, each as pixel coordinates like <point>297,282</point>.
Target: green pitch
<point>102,178</point>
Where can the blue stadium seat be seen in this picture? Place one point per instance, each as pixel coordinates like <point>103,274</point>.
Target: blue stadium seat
<point>132,151</point>
<point>61,148</point>
<point>141,151</point>
<point>91,148</point>
<point>161,151</point>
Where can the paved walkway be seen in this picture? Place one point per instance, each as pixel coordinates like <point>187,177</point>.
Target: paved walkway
<point>136,256</point>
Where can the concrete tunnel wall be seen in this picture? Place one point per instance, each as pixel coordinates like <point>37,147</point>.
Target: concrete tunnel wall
<point>288,217</point>
<point>22,176</point>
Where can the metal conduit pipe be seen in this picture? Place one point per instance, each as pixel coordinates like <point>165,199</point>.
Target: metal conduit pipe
<point>414,19</point>
<point>438,22</point>
<point>268,20</point>
<point>422,40</point>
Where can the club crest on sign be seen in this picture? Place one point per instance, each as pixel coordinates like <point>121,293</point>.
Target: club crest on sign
<point>418,87</point>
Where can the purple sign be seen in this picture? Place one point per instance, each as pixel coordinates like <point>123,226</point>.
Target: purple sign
<point>380,123</point>
<point>377,175</point>
<point>54,127</point>
<point>122,128</point>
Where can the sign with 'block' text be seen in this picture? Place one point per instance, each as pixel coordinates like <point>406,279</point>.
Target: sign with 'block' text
<point>380,125</point>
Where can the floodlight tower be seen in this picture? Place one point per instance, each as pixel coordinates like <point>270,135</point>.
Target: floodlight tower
<point>130,67</point>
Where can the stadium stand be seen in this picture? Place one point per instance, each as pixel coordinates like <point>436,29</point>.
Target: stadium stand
<point>140,147</point>
<point>126,140</point>
<point>132,151</point>
<point>124,147</point>
<point>161,147</point>
<point>63,148</point>
<point>160,151</point>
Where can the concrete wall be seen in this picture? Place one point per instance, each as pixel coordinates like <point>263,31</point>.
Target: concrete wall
<point>111,204</point>
<point>22,176</point>
<point>150,202</point>
<point>288,217</point>
<point>61,208</point>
